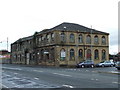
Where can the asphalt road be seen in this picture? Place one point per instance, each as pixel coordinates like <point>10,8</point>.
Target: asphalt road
<point>21,76</point>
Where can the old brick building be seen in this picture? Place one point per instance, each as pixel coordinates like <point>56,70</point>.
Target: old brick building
<point>65,44</point>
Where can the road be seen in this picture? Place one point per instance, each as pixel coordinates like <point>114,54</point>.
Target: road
<point>22,76</point>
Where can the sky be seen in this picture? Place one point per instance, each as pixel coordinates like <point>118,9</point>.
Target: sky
<point>21,18</point>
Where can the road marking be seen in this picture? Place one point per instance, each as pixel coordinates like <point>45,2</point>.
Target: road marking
<point>12,68</point>
<point>36,78</point>
<point>15,73</point>
<point>94,79</point>
<point>4,86</point>
<point>115,82</point>
<point>93,71</point>
<point>69,86</point>
<point>37,71</point>
<point>62,74</point>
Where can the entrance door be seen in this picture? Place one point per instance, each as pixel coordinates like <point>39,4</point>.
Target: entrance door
<point>27,58</point>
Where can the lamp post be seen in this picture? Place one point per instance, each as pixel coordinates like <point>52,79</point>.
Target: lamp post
<point>85,48</point>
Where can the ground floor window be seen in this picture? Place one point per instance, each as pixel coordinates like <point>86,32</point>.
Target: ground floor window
<point>80,54</point>
<point>96,54</point>
<point>72,56</point>
<point>103,55</point>
<point>89,54</point>
<point>62,54</point>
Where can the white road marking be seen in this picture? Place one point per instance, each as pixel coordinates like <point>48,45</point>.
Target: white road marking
<point>12,68</point>
<point>4,86</point>
<point>8,75</point>
<point>37,71</point>
<point>36,78</point>
<point>62,74</point>
<point>15,73</point>
<point>93,71</point>
<point>115,82</point>
<point>69,86</point>
<point>94,79</point>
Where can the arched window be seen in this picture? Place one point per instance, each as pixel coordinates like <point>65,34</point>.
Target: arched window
<point>62,54</point>
<point>71,53</point>
<point>62,37</point>
<point>52,36</point>
<point>72,38</point>
<point>88,39</point>
<point>42,54</point>
<point>103,40</point>
<point>96,41</point>
<point>80,39</point>
<point>80,53</point>
<point>89,54</point>
<point>103,55</point>
<point>96,54</point>
<point>47,37</point>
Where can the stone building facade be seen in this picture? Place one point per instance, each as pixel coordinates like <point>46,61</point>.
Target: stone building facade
<point>63,45</point>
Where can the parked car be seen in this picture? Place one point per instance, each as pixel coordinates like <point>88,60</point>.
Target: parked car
<point>86,63</point>
<point>117,65</point>
<point>105,64</point>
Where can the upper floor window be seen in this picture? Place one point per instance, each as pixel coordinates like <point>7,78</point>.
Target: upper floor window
<point>47,37</point>
<point>72,38</point>
<point>96,41</point>
<point>62,37</point>
<point>88,39</point>
<point>103,40</point>
<point>80,39</point>
<point>42,38</point>
<point>39,39</point>
<point>52,36</point>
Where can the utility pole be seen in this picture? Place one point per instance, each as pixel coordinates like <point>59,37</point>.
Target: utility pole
<point>91,42</point>
<point>7,43</point>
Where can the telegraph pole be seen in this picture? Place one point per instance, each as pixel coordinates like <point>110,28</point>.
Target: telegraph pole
<point>7,43</point>
<point>91,42</point>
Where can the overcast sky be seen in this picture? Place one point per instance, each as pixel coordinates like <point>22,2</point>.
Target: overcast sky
<point>21,18</point>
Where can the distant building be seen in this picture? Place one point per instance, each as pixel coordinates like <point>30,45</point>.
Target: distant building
<point>4,56</point>
<point>116,57</point>
<point>65,44</point>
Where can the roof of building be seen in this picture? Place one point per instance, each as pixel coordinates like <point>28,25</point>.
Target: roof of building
<point>75,27</point>
<point>23,39</point>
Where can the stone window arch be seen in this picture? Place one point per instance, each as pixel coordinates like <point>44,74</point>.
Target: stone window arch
<point>72,38</point>
<point>72,56</point>
<point>62,54</point>
<point>96,54</point>
<point>96,40</point>
<point>80,52</point>
<point>63,37</point>
<point>103,54</point>
<point>80,38</point>
<point>88,39</point>
<point>103,40</point>
<point>88,54</point>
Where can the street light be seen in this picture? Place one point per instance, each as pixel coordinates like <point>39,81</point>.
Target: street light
<point>85,48</point>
